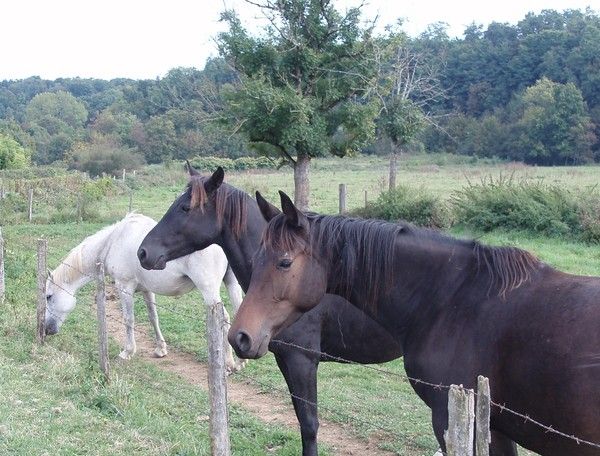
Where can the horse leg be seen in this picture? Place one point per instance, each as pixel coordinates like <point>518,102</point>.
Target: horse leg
<point>161,346</point>
<point>502,445</point>
<point>128,317</point>
<point>439,421</point>
<point>235,297</point>
<point>209,289</point>
<point>300,373</point>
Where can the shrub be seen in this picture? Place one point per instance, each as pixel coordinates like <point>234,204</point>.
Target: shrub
<point>404,203</point>
<point>525,205</point>
<point>103,155</point>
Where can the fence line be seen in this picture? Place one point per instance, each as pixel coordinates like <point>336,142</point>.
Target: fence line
<point>501,407</point>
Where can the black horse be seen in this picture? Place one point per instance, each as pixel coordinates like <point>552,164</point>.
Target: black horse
<point>458,309</point>
<point>210,212</point>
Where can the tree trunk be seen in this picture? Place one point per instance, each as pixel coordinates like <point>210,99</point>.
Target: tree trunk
<point>301,182</point>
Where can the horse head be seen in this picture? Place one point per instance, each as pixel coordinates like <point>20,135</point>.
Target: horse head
<point>190,224</point>
<point>287,280</point>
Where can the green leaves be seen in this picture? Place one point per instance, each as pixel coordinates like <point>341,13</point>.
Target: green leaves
<point>12,154</point>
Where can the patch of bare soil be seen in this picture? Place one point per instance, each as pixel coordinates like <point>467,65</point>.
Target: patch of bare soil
<point>266,407</point>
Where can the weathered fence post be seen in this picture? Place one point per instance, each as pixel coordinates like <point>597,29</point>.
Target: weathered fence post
<point>482,417</point>
<point>79,208</point>
<point>460,433</point>
<point>366,199</point>
<point>130,200</point>
<point>101,314</point>
<point>2,284</point>
<point>392,180</point>
<point>42,272</point>
<point>124,175</point>
<point>342,199</point>
<point>30,204</point>
<point>217,380</point>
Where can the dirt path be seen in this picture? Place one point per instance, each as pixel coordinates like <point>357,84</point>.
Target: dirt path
<point>266,407</point>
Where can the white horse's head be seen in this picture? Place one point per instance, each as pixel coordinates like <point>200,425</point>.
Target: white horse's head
<point>59,303</point>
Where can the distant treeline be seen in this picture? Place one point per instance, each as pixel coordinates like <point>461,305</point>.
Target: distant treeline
<point>528,92</point>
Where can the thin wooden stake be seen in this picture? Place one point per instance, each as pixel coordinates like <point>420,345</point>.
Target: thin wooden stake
<point>392,180</point>
<point>79,211</point>
<point>482,417</point>
<point>342,199</point>
<point>130,200</point>
<point>460,433</point>
<point>366,199</point>
<point>2,284</point>
<point>123,175</point>
<point>101,314</point>
<point>42,271</point>
<point>30,205</point>
<point>217,381</point>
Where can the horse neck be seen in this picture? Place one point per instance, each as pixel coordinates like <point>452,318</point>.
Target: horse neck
<point>79,267</point>
<point>239,251</point>
<point>425,276</point>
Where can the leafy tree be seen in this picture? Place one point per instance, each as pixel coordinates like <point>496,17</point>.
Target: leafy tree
<point>552,125</point>
<point>304,84</point>
<point>55,120</point>
<point>12,154</point>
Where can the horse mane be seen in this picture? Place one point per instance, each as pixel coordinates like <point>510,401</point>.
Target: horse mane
<point>69,269</point>
<point>354,243</point>
<point>230,202</point>
<point>508,267</point>
<point>349,244</point>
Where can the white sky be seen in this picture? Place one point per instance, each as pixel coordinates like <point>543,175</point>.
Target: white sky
<point>145,38</point>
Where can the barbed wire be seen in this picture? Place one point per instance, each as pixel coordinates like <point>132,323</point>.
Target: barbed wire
<point>416,381</point>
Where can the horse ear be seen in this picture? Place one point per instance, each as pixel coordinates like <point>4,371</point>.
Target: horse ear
<point>190,169</point>
<point>294,216</point>
<point>214,181</point>
<point>267,210</point>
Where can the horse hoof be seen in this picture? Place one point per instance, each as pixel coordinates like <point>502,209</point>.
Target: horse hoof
<point>236,367</point>
<point>125,355</point>
<point>160,352</point>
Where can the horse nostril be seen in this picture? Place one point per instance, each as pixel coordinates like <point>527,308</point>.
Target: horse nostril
<point>243,341</point>
<point>141,253</point>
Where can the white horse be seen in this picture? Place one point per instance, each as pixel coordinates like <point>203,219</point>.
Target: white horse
<point>116,246</point>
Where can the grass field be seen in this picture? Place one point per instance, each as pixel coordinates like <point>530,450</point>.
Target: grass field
<point>52,400</point>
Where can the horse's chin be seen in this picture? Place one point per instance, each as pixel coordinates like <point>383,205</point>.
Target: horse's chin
<point>160,263</point>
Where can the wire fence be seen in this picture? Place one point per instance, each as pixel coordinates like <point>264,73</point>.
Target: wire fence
<point>140,327</point>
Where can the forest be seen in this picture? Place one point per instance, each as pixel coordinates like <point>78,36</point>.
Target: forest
<point>528,92</point>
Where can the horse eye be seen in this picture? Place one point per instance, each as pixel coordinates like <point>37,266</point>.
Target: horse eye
<point>284,264</point>
<point>185,207</point>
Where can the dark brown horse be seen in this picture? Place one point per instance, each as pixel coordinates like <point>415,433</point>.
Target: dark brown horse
<point>210,211</point>
<point>457,308</point>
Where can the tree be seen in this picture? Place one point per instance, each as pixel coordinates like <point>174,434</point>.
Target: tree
<point>103,154</point>
<point>12,154</point>
<point>304,88</point>
<point>552,125</point>
<point>55,120</point>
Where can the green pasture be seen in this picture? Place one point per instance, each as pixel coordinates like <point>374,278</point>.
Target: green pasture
<point>53,402</point>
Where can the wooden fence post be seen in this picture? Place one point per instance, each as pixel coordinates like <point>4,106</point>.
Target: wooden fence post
<point>217,380</point>
<point>42,271</point>
<point>460,433</point>
<point>30,204</point>
<point>2,284</point>
<point>79,209</point>
<point>392,180</point>
<point>124,175</point>
<point>366,199</point>
<point>101,314</point>
<point>342,199</point>
<point>130,200</point>
<point>482,417</point>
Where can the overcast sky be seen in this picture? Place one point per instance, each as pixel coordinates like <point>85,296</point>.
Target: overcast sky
<point>145,38</point>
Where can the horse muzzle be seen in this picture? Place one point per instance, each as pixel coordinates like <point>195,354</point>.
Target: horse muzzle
<point>245,347</point>
<point>149,262</point>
